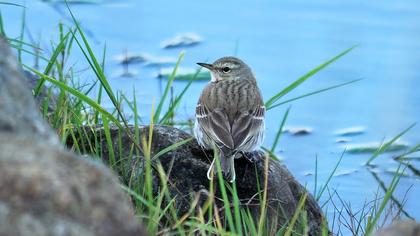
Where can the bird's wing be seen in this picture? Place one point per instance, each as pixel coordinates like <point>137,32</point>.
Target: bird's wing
<point>247,125</point>
<point>215,124</point>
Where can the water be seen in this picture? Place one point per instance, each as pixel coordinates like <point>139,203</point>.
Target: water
<point>280,41</point>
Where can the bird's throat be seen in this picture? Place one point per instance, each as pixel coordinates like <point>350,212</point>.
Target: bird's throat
<point>214,78</point>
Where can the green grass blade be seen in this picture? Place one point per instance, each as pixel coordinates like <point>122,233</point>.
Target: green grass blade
<point>298,211</point>
<point>177,100</point>
<point>316,176</point>
<point>22,34</point>
<point>385,146</point>
<point>171,148</point>
<point>236,210</point>
<point>167,88</point>
<point>2,31</point>
<point>109,142</point>
<point>137,196</point>
<point>394,183</point>
<point>76,93</point>
<point>16,46</point>
<point>95,65</point>
<point>263,199</point>
<point>330,177</point>
<point>222,188</point>
<point>312,93</point>
<point>99,97</point>
<point>280,131</point>
<point>302,79</point>
<point>60,47</point>
<point>12,4</point>
<point>18,41</point>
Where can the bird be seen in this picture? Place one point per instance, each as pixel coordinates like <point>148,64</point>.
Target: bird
<point>230,112</point>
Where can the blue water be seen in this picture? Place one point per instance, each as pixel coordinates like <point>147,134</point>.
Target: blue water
<point>280,40</point>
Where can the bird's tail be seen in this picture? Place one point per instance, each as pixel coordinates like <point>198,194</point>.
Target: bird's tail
<point>227,164</point>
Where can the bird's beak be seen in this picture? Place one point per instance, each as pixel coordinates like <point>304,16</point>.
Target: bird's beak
<point>205,65</point>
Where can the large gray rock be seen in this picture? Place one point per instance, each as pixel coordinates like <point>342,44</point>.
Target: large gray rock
<point>44,189</point>
<point>400,228</point>
<point>186,168</point>
<point>18,115</point>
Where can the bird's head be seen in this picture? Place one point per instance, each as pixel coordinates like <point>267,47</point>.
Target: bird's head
<point>228,68</point>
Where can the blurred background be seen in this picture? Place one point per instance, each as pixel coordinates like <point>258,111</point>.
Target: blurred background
<point>281,41</point>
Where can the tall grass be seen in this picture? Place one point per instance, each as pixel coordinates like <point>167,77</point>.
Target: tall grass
<point>77,115</point>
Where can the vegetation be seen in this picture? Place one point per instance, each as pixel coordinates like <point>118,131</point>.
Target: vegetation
<point>75,107</point>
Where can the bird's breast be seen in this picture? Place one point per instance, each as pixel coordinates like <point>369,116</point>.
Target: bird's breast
<point>231,95</point>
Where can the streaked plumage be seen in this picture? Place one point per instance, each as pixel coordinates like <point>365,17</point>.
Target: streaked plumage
<point>230,113</point>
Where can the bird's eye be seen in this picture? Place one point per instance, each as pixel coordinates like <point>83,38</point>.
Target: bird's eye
<point>226,69</point>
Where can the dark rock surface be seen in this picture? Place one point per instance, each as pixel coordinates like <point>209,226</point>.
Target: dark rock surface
<point>44,189</point>
<point>187,166</point>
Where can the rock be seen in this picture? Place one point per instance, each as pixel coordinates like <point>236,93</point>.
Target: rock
<point>44,189</point>
<point>182,40</point>
<point>130,58</point>
<point>48,191</point>
<point>184,74</point>
<point>371,147</point>
<point>343,140</point>
<point>351,131</point>
<point>400,228</point>
<point>17,107</point>
<point>298,131</point>
<point>186,168</point>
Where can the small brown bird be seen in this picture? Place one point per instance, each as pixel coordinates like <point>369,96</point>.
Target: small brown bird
<point>230,113</point>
